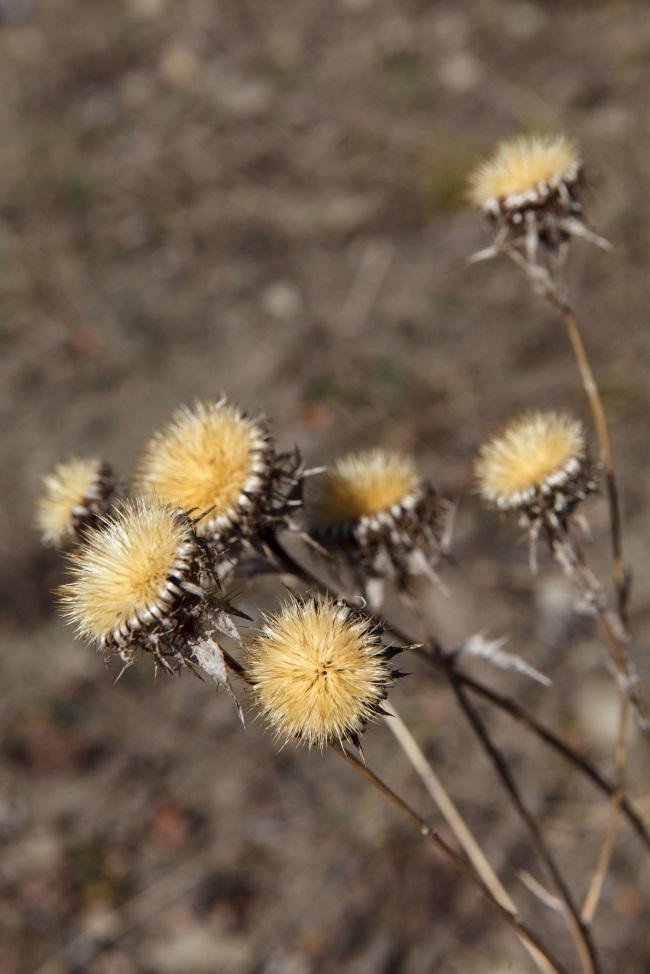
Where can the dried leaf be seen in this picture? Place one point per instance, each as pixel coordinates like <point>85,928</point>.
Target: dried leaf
<point>209,655</point>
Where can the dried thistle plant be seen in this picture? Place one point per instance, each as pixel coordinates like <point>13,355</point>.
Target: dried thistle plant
<point>318,671</point>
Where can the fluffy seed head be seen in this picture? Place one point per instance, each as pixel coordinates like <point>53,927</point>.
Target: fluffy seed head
<point>211,456</point>
<point>73,494</point>
<point>360,485</point>
<point>125,576</point>
<point>535,455</point>
<point>523,171</point>
<point>318,672</point>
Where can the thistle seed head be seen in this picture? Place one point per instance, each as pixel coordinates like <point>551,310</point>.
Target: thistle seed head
<point>530,192</point>
<point>528,172</point>
<point>538,464</point>
<point>373,506</point>
<point>74,495</point>
<point>128,576</point>
<point>211,458</point>
<point>318,672</point>
<point>358,486</point>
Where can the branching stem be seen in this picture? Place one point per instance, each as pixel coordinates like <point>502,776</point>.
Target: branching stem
<point>459,864</point>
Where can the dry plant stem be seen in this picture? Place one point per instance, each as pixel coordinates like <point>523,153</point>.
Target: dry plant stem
<point>450,813</point>
<point>459,864</point>
<point>484,878</point>
<point>594,892</point>
<point>438,661</point>
<point>619,573</point>
<point>544,283</point>
<point>626,697</point>
<point>580,932</point>
<point>455,820</point>
<point>574,564</point>
<point>514,710</point>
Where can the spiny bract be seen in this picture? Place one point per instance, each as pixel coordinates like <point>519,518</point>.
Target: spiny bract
<point>318,672</point>
<point>125,575</point>
<point>211,458</point>
<point>533,454</point>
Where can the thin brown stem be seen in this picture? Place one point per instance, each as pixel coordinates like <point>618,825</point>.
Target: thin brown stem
<point>438,661</point>
<point>619,572</point>
<point>516,712</point>
<point>446,806</point>
<point>594,892</point>
<point>454,819</point>
<point>579,931</point>
<point>545,284</point>
<point>459,864</point>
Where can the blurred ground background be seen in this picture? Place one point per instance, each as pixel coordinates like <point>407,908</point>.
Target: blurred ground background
<point>267,199</point>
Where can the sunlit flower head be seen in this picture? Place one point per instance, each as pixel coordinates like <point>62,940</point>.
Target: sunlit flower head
<point>538,461</point>
<point>526,172</point>
<point>211,458</point>
<point>372,507</point>
<point>318,672</point>
<point>128,577</point>
<point>73,496</point>
<point>372,484</point>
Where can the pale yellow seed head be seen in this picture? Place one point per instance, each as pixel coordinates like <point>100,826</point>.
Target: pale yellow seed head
<point>317,672</point>
<point>520,165</point>
<point>359,485</point>
<point>206,457</point>
<point>535,452</point>
<point>121,574</point>
<point>65,492</point>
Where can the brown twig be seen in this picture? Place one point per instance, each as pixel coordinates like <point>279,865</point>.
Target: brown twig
<point>459,864</point>
<point>619,572</point>
<point>544,283</point>
<point>446,806</point>
<point>594,892</point>
<point>438,660</point>
<point>579,930</point>
<point>516,712</point>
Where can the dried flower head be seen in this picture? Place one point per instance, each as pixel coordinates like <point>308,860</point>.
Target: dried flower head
<point>526,172</point>
<point>74,495</point>
<point>530,191</point>
<point>319,672</point>
<point>215,459</point>
<point>538,465</point>
<point>373,508</point>
<point>135,582</point>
